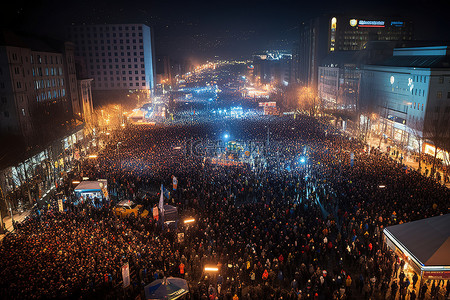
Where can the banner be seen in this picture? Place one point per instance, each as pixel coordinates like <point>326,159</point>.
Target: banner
<point>126,275</point>
<point>60,205</point>
<point>352,159</point>
<point>174,183</point>
<point>161,202</point>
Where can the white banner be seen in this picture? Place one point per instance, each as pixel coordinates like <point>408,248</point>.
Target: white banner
<point>126,275</point>
<point>60,205</point>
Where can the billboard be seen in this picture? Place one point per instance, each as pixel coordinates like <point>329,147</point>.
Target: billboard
<point>265,104</point>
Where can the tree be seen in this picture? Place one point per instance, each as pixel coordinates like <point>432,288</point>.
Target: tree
<point>416,130</point>
<point>436,129</point>
<point>308,102</point>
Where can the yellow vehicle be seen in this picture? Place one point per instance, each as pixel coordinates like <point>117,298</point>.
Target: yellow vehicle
<point>127,208</point>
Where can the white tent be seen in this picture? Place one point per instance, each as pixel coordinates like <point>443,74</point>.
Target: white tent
<point>92,188</point>
<point>425,244</point>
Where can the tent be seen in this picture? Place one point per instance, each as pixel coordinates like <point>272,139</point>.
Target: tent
<point>424,244</point>
<point>92,189</point>
<point>170,213</point>
<point>168,288</point>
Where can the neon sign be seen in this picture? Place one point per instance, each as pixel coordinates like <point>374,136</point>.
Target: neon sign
<point>365,23</point>
<point>397,23</point>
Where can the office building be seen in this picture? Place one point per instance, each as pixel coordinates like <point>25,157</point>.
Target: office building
<point>325,34</point>
<point>409,92</point>
<point>338,82</point>
<point>117,56</point>
<point>273,67</point>
<point>37,87</point>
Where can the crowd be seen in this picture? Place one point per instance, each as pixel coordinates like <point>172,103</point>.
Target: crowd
<point>306,223</point>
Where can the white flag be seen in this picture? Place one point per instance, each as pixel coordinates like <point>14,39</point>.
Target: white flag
<point>161,202</point>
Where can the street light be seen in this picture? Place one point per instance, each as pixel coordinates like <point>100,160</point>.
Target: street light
<point>118,154</point>
<point>211,269</point>
<point>188,221</point>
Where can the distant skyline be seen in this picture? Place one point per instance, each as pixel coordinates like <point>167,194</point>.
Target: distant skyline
<point>201,29</point>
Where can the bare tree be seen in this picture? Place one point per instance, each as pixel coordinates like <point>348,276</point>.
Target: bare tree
<point>308,102</point>
<point>416,131</point>
<point>436,129</point>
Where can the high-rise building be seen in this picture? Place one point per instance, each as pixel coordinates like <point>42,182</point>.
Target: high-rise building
<point>117,56</point>
<point>325,34</point>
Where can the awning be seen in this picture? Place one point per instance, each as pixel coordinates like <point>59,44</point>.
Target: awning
<point>169,288</point>
<point>88,186</point>
<point>426,242</point>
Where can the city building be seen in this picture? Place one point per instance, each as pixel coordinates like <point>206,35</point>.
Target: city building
<point>338,82</point>
<point>325,34</point>
<point>340,73</point>
<point>163,70</point>
<point>37,86</point>
<point>273,67</point>
<point>410,92</point>
<point>118,57</point>
<point>39,113</point>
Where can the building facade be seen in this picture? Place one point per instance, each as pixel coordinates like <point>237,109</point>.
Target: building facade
<point>326,34</point>
<point>117,56</point>
<point>37,87</point>
<point>409,91</point>
<point>273,67</point>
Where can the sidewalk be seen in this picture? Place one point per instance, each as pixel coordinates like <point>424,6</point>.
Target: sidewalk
<point>408,160</point>
<point>18,217</point>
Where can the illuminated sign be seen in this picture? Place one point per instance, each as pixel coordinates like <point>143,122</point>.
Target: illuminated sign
<point>410,84</point>
<point>333,33</point>
<point>365,23</point>
<point>392,80</point>
<point>397,23</point>
<point>267,104</point>
<point>353,22</point>
<point>333,23</point>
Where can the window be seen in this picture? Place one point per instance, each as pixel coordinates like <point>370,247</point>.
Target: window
<point>439,95</point>
<point>441,79</point>
<point>448,95</point>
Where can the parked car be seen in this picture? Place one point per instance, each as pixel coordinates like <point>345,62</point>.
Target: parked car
<point>127,208</point>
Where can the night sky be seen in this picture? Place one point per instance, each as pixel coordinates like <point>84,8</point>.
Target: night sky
<point>203,29</point>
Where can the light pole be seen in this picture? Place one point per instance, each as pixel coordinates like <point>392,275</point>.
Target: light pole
<point>2,226</point>
<point>118,154</point>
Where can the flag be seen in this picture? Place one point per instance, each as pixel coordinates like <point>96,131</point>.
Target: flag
<point>161,201</point>
<point>174,183</point>
<point>165,192</point>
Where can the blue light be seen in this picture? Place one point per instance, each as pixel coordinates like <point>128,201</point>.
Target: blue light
<point>302,160</point>
<point>226,136</point>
